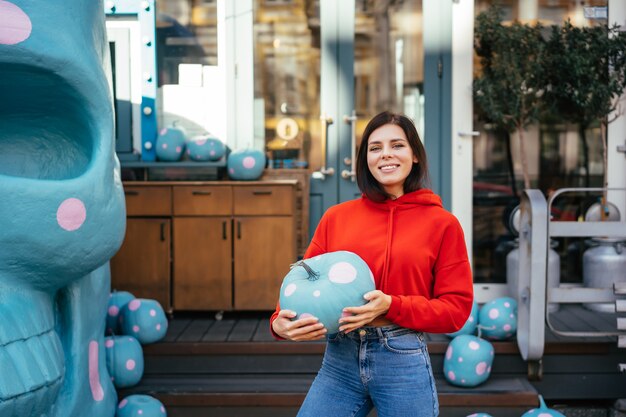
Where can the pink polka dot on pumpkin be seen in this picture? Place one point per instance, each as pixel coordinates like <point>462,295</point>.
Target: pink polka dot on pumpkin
<point>248,162</point>
<point>481,368</point>
<point>71,214</point>
<point>109,343</point>
<point>494,313</point>
<point>200,142</point>
<point>140,412</point>
<point>114,311</point>
<point>451,376</point>
<point>449,352</point>
<point>152,312</point>
<point>162,409</point>
<point>164,146</point>
<point>15,25</point>
<point>130,364</point>
<point>123,403</point>
<point>231,170</point>
<point>163,131</point>
<point>212,153</point>
<point>506,327</point>
<point>179,149</point>
<point>158,327</point>
<point>135,328</point>
<point>134,305</point>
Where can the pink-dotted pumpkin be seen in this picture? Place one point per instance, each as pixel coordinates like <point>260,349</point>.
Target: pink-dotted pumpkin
<point>468,361</point>
<point>170,143</point>
<point>144,319</point>
<point>542,411</point>
<point>245,164</point>
<point>140,406</point>
<point>117,300</point>
<point>497,319</point>
<point>205,148</point>
<point>324,285</point>
<point>124,358</point>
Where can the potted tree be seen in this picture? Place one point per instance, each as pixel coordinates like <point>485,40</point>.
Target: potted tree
<point>510,84</point>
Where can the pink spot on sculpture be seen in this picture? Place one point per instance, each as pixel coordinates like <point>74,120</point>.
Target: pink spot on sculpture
<point>134,305</point>
<point>94,376</point>
<point>109,343</point>
<point>494,313</point>
<point>114,311</point>
<point>164,146</point>
<point>451,376</point>
<point>481,368</point>
<point>248,162</point>
<point>130,364</point>
<point>136,329</point>
<point>15,25</point>
<point>71,214</point>
<point>152,312</point>
<point>200,142</point>
<point>123,403</point>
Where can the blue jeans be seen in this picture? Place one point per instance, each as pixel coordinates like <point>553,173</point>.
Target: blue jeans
<point>383,367</point>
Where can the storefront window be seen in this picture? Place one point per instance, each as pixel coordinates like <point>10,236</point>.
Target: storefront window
<point>557,154</point>
<point>186,34</point>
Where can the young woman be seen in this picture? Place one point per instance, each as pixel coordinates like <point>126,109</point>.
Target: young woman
<point>416,251</point>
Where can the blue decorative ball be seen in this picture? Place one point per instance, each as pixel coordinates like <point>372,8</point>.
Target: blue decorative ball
<point>140,406</point>
<point>245,164</point>
<point>117,300</point>
<point>205,148</point>
<point>145,320</point>
<point>542,411</point>
<point>324,285</point>
<point>468,361</point>
<point>497,319</point>
<point>124,358</point>
<point>170,144</point>
<point>470,325</point>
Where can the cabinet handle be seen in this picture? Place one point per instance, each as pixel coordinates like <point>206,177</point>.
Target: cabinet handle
<point>238,230</point>
<point>131,192</point>
<point>261,192</point>
<point>201,192</point>
<point>162,232</point>
<point>224,236</point>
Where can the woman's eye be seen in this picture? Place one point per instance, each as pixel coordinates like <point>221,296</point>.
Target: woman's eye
<point>375,149</point>
<point>398,145</point>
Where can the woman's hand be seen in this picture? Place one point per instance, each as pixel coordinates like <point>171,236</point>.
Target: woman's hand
<point>308,328</point>
<point>356,317</point>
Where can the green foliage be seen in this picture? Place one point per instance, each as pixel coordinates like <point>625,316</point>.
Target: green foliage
<point>585,72</point>
<point>509,89</point>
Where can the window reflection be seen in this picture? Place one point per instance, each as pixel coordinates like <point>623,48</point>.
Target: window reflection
<point>557,156</point>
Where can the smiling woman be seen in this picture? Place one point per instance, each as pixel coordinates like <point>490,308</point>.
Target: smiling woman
<point>44,130</point>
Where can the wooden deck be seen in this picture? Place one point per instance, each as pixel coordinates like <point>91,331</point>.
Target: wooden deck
<point>234,366</point>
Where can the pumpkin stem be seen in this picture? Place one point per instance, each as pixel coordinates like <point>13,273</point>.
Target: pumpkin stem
<point>313,276</point>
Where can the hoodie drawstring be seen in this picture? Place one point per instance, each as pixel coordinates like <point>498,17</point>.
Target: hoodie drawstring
<point>383,280</point>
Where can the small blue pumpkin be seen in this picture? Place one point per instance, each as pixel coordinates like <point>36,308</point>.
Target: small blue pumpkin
<point>542,411</point>
<point>246,164</point>
<point>470,324</point>
<point>497,319</point>
<point>170,143</point>
<point>205,148</point>
<point>324,285</point>
<point>144,319</point>
<point>140,406</point>
<point>124,359</point>
<point>117,300</point>
<point>468,361</point>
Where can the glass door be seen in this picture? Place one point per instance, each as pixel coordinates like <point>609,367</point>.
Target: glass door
<point>322,70</point>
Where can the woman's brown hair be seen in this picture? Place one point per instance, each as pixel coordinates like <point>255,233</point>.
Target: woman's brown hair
<point>417,178</point>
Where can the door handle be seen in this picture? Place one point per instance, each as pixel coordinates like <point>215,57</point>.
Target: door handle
<point>321,174</point>
<point>473,133</point>
<point>224,235</point>
<point>352,173</point>
<point>238,229</point>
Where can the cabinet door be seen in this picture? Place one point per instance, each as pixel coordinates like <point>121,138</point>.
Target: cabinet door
<point>202,263</point>
<point>264,249</point>
<point>142,265</point>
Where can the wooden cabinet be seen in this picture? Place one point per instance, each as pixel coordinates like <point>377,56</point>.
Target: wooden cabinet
<point>231,243</point>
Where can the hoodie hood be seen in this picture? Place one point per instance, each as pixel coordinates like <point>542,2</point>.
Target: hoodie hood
<point>422,197</point>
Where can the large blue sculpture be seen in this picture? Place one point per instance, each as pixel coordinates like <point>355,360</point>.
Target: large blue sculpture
<point>62,212</point>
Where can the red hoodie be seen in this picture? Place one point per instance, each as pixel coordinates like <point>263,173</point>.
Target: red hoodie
<point>416,251</point>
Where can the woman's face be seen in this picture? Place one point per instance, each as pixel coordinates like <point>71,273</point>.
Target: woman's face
<point>390,158</point>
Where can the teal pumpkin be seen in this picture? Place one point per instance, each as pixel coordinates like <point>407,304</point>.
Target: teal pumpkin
<point>144,319</point>
<point>117,300</point>
<point>497,319</point>
<point>542,411</point>
<point>468,361</point>
<point>205,148</point>
<point>124,358</point>
<point>170,144</point>
<point>324,285</point>
<point>246,164</point>
<point>470,324</point>
<point>140,406</point>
